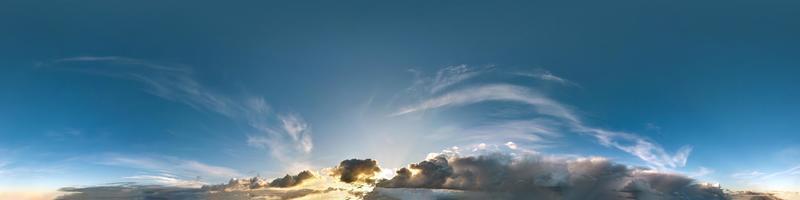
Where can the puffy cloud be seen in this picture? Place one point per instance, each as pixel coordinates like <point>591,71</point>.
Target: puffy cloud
<point>290,181</point>
<point>548,178</point>
<point>449,176</point>
<point>356,170</point>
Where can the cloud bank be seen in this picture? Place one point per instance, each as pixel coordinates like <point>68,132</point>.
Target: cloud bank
<point>447,176</point>
<point>548,178</point>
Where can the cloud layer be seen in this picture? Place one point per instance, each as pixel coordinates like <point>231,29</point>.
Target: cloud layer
<point>548,178</point>
<point>447,176</point>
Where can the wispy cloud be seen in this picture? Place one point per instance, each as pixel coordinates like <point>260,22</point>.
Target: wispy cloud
<point>545,75</point>
<point>494,92</point>
<point>167,180</point>
<point>787,179</point>
<point>168,170</point>
<point>299,131</point>
<point>452,75</point>
<point>793,171</point>
<point>702,171</point>
<point>288,135</point>
<point>638,146</point>
<point>536,131</point>
<point>747,175</point>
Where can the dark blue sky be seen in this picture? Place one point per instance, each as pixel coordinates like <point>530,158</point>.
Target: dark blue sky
<point>94,92</point>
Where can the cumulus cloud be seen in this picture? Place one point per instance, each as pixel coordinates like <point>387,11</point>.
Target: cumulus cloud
<point>510,175</point>
<point>503,175</point>
<point>290,143</point>
<point>357,170</point>
<point>290,181</point>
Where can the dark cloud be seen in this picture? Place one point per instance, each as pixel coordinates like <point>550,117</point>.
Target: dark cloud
<point>290,181</point>
<point>449,176</point>
<point>235,189</point>
<point>543,178</point>
<point>356,170</point>
<point>132,192</point>
<point>176,193</point>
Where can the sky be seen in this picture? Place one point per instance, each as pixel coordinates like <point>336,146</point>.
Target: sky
<point>189,93</point>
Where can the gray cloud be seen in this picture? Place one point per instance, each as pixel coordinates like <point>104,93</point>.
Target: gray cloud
<point>356,170</point>
<point>128,191</point>
<point>290,181</point>
<point>546,178</point>
<point>450,176</point>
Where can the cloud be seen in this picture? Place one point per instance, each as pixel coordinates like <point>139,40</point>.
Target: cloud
<point>291,181</point>
<point>545,75</point>
<point>511,145</point>
<point>453,75</point>
<point>488,175</point>
<point>291,142</point>
<point>747,175</point>
<point>356,170</point>
<point>170,171</point>
<point>493,92</point>
<point>166,179</point>
<point>532,131</point>
<point>299,131</point>
<point>561,115</point>
<point>531,176</point>
<point>703,171</point>
<point>787,179</point>
<point>640,147</point>
<point>175,193</point>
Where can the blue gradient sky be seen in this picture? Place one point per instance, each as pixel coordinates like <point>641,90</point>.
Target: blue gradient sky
<point>95,92</point>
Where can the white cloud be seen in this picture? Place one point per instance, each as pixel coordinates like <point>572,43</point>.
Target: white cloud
<point>511,145</point>
<point>547,76</point>
<point>452,75</point>
<point>702,171</point>
<point>747,175</point>
<point>289,135</point>
<point>494,92</point>
<point>298,129</point>
<point>168,170</point>
<point>166,180</point>
<point>638,146</point>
